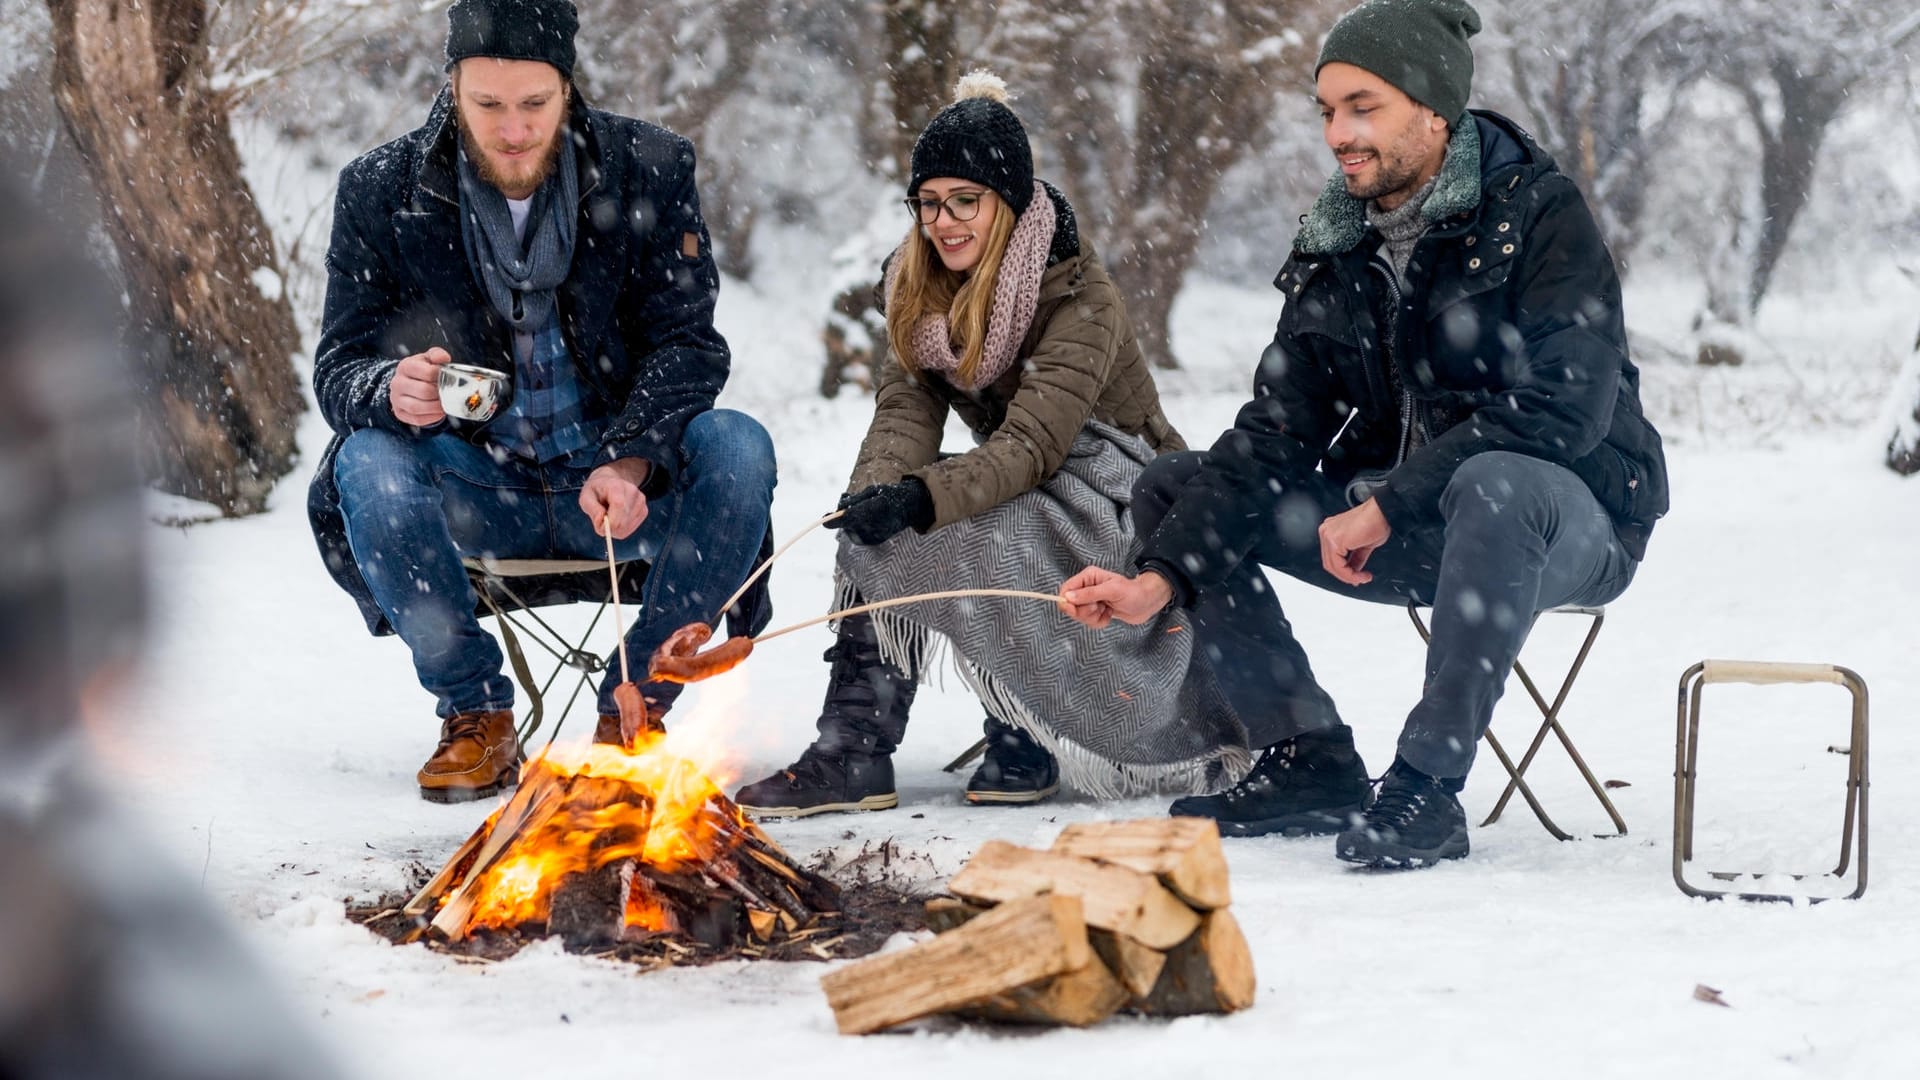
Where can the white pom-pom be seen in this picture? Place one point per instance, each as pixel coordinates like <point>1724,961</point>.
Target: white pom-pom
<point>981,83</point>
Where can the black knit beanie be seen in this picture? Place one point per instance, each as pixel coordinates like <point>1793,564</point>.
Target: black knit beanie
<point>513,30</point>
<point>1419,46</point>
<point>977,138</point>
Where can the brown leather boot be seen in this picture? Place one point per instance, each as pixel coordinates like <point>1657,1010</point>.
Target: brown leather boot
<point>607,729</point>
<point>478,755</point>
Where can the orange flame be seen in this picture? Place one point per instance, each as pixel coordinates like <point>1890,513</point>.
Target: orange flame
<point>646,802</point>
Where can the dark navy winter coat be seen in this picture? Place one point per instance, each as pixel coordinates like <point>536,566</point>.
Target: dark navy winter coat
<point>636,308</point>
<point>1508,335</point>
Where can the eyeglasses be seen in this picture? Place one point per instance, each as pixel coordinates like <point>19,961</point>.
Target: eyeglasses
<point>961,206</point>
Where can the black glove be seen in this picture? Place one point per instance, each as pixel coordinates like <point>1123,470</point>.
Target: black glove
<point>876,514</point>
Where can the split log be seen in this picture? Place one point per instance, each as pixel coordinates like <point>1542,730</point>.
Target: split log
<point>1184,853</point>
<point>1114,897</point>
<point>1136,966</point>
<point>1077,999</point>
<point>454,870</point>
<point>1015,945</point>
<point>533,803</point>
<point>1211,972</point>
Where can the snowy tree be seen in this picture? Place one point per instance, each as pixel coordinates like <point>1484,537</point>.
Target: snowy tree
<point>146,96</point>
<point>1794,68</point>
<point>679,63</point>
<point>1602,81</point>
<point>1145,105</point>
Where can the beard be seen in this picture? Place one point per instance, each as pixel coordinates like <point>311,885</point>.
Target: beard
<point>515,179</point>
<point>1396,169</point>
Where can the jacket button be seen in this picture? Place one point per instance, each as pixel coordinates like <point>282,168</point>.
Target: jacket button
<point>1507,249</point>
<point>1296,290</point>
<point>1505,225</point>
<point>1473,264</point>
<point>1472,240</point>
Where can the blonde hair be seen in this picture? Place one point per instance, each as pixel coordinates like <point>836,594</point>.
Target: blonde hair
<point>923,285</point>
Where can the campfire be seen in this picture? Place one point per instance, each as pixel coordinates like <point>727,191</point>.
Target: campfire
<point>609,845</point>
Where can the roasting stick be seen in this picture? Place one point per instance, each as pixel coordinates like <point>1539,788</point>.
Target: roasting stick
<point>765,566</point>
<point>1016,594</point>
<point>613,575</point>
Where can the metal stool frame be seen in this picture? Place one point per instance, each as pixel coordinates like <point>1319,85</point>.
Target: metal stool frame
<point>1687,759</point>
<point>1550,723</point>
<point>491,576</point>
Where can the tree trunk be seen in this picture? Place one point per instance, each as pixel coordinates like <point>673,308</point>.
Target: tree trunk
<point>1809,102</point>
<point>209,322</point>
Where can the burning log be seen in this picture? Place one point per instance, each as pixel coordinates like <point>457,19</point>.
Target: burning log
<point>1149,905</point>
<point>621,845</point>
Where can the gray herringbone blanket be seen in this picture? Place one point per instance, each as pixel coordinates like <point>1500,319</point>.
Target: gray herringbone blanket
<point>1125,710</point>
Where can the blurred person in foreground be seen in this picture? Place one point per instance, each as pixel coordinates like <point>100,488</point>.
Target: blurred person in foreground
<point>999,311</point>
<point>522,232</point>
<point>1447,415</point>
<point>111,964</point>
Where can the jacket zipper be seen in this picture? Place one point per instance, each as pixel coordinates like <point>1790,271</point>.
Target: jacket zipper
<point>1391,351</point>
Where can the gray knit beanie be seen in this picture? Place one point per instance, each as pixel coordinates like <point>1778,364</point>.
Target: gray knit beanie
<point>1419,46</point>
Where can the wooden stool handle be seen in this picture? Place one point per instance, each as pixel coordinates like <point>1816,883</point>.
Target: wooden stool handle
<point>1766,673</point>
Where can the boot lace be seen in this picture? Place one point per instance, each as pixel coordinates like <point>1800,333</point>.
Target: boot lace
<point>1399,801</point>
<point>464,726</point>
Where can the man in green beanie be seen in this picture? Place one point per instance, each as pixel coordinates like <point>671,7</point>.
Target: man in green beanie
<point>1447,416</point>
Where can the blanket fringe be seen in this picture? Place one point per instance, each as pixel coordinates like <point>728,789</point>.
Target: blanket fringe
<point>926,653</point>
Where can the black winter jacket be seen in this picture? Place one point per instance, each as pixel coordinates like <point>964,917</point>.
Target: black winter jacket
<point>1508,336</point>
<point>636,308</point>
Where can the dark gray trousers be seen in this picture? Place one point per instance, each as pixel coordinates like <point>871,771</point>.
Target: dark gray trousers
<point>1521,535</point>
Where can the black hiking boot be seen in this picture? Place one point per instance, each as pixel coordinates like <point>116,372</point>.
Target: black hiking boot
<point>1017,770</point>
<point>1311,785</point>
<point>1415,820</point>
<point>850,765</point>
<point>823,783</point>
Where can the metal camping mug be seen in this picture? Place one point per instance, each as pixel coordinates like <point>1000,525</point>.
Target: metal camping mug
<point>471,393</point>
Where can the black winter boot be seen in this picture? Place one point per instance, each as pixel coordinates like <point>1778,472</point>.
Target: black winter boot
<point>1415,820</point>
<point>1017,769</point>
<point>1310,785</point>
<point>850,765</point>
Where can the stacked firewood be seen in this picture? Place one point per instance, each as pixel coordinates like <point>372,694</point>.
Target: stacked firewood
<point>1116,915</point>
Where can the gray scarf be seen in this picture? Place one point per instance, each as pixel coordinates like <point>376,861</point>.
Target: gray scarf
<point>1400,227</point>
<point>520,281</point>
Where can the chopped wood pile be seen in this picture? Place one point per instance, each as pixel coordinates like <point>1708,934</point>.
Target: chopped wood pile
<point>1128,915</point>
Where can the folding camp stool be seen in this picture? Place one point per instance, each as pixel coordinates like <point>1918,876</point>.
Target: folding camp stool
<point>512,591</point>
<point>1549,724</point>
<point>1687,759</point>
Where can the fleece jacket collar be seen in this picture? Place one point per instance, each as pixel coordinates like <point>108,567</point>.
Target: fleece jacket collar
<point>1338,221</point>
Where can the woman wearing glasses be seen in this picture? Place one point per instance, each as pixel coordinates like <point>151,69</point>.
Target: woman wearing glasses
<point>998,309</point>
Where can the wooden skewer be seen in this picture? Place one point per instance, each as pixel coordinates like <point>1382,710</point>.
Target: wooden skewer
<point>1016,594</point>
<point>613,576</point>
<point>765,566</point>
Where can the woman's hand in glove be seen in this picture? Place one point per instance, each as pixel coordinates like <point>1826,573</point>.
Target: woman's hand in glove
<point>876,514</point>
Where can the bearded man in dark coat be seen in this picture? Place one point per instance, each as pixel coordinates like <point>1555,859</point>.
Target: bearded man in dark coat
<point>560,248</point>
<point>1447,415</point>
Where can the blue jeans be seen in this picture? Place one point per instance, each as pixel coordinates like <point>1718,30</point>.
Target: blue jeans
<point>1520,536</point>
<point>416,506</point>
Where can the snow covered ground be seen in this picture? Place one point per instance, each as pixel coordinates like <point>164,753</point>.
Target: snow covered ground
<point>274,744</point>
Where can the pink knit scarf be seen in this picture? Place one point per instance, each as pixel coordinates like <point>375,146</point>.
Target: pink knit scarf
<point>1016,296</point>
